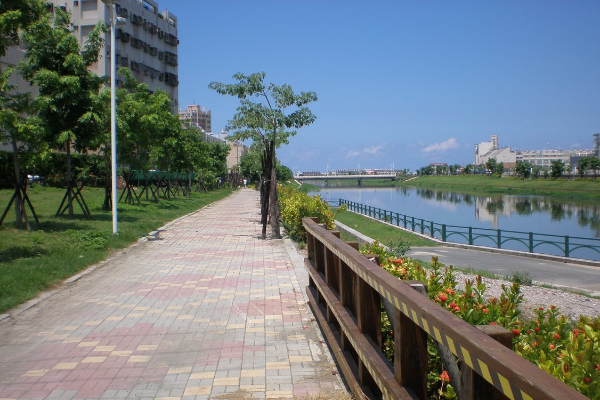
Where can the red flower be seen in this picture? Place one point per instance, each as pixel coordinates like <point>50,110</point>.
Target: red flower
<point>493,323</point>
<point>551,346</point>
<point>553,307</point>
<point>450,291</point>
<point>535,344</point>
<point>446,378</point>
<point>443,298</point>
<point>516,332</point>
<point>586,380</point>
<point>451,305</point>
<point>398,261</point>
<point>597,367</point>
<point>541,308</point>
<point>575,332</point>
<point>485,310</point>
<point>536,329</point>
<point>556,336</point>
<point>457,308</point>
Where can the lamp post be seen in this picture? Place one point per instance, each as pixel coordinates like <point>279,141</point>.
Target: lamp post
<point>114,20</point>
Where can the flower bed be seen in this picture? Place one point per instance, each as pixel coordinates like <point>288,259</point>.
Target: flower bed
<point>568,351</point>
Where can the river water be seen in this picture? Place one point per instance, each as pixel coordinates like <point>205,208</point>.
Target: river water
<point>506,212</point>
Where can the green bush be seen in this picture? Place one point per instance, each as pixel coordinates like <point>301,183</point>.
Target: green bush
<point>295,205</point>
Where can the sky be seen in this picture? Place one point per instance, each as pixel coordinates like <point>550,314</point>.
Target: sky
<point>403,83</point>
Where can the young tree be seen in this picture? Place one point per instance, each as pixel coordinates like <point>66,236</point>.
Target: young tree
<point>262,118</point>
<point>491,165</point>
<point>498,169</point>
<point>16,127</point>
<point>557,168</point>
<point>469,169</point>
<point>55,62</point>
<point>583,164</point>
<point>523,169</point>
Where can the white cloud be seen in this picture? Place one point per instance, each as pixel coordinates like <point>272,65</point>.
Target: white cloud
<point>373,150</point>
<point>441,147</point>
<point>353,153</point>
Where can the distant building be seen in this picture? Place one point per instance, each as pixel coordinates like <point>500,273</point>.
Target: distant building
<point>487,150</point>
<point>146,43</point>
<point>197,116</point>
<point>597,144</point>
<point>544,158</point>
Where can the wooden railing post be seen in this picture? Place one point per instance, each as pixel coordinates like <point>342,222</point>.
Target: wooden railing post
<point>472,385</point>
<point>346,281</point>
<point>331,272</point>
<point>410,351</point>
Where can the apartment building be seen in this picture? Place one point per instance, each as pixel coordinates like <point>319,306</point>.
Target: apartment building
<point>146,43</point>
<point>197,116</point>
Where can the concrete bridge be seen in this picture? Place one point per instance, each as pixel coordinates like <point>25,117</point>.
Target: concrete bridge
<point>326,177</point>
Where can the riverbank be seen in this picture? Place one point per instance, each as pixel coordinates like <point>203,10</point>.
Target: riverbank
<point>579,189</point>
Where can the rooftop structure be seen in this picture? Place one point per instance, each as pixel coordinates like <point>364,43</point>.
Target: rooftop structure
<point>197,116</point>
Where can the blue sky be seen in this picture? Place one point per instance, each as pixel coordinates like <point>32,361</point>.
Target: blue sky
<point>406,83</point>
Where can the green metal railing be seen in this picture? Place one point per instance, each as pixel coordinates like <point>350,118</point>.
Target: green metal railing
<point>497,238</point>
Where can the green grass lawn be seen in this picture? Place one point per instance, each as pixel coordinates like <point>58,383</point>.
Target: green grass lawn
<point>33,261</point>
<point>564,188</point>
<point>383,233</point>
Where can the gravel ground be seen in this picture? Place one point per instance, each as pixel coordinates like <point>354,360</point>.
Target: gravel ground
<point>570,304</point>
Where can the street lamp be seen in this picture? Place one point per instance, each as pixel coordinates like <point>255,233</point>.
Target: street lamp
<point>113,106</point>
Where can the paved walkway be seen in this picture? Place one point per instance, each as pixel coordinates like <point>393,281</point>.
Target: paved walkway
<point>205,310</point>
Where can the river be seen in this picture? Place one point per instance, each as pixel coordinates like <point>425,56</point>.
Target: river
<point>536,214</point>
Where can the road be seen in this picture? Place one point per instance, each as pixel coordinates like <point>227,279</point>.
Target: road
<point>577,277</point>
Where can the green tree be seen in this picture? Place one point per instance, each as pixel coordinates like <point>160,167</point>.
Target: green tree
<point>498,169</point>
<point>284,173</point>
<point>250,164</point>
<point>491,165</point>
<point>58,65</point>
<point>594,165</point>
<point>469,169</point>
<point>16,15</point>
<point>583,164</point>
<point>264,118</point>
<point>557,167</point>
<point>523,169</point>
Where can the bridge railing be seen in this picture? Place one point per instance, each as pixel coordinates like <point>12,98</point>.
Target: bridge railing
<point>347,290</point>
<point>531,242</point>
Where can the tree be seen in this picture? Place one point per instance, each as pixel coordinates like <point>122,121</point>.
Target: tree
<point>262,118</point>
<point>55,62</point>
<point>491,165</point>
<point>20,130</point>
<point>469,169</point>
<point>17,128</point>
<point>523,169</point>
<point>498,169</point>
<point>557,167</point>
<point>583,164</point>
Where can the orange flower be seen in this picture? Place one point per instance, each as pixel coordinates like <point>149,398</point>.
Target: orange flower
<point>445,377</point>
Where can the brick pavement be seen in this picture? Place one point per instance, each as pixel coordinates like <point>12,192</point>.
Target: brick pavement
<point>204,310</point>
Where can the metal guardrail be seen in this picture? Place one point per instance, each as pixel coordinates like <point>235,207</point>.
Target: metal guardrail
<point>346,291</point>
<point>497,238</point>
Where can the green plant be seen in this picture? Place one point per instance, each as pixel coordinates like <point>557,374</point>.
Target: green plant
<point>521,277</point>
<point>569,352</point>
<point>296,205</point>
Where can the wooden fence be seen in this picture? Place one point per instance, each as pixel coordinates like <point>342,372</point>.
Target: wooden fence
<point>347,290</point>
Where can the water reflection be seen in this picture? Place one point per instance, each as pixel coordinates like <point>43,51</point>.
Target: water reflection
<point>507,212</point>
<point>494,207</point>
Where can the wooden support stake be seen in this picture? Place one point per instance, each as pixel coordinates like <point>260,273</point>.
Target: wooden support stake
<point>410,352</point>
<point>473,386</point>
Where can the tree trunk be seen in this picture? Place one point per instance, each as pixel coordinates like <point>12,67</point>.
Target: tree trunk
<point>273,202</point>
<point>69,191</point>
<point>264,190</point>
<point>107,182</point>
<point>274,206</point>
<point>19,201</point>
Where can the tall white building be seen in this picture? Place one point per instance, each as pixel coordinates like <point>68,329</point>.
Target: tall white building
<point>146,44</point>
<point>486,150</point>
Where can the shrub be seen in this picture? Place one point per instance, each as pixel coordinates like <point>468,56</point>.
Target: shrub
<point>570,352</point>
<point>295,205</point>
